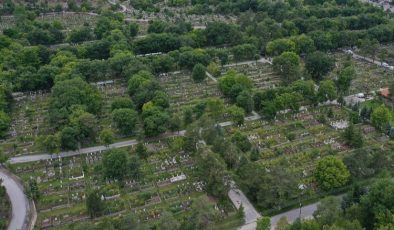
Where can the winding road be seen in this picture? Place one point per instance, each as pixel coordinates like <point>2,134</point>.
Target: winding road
<point>20,203</point>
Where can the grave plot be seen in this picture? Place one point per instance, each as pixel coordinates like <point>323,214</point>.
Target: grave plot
<point>369,77</point>
<point>28,115</point>
<point>109,90</point>
<point>303,138</point>
<point>261,74</point>
<point>174,14</point>
<point>167,184</point>
<point>69,20</point>
<point>184,92</point>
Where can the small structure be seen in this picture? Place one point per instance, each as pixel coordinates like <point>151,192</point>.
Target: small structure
<point>340,124</point>
<point>178,178</point>
<point>387,96</point>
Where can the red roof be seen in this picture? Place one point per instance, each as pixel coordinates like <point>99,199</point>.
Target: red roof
<point>385,92</point>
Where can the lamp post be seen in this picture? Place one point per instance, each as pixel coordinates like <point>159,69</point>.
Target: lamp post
<point>301,187</point>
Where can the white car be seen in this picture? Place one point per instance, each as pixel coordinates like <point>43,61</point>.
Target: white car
<point>384,64</point>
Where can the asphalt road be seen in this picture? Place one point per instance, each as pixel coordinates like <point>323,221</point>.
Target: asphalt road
<point>122,144</point>
<point>238,198</point>
<point>19,201</point>
<point>294,214</point>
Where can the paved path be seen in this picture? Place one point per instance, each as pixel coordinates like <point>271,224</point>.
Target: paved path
<point>294,214</point>
<point>122,144</point>
<point>238,198</point>
<point>20,203</point>
<point>211,77</point>
<point>262,60</point>
<point>124,8</point>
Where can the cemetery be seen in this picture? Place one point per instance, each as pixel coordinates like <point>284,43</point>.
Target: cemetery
<point>261,74</point>
<point>69,20</point>
<point>167,183</point>
<point>369,77</point>
<point>175,114</point>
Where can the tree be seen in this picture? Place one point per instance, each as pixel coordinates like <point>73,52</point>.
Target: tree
<point>125,120</point>
<point>382,55</point>
<point>303,44</point>
<point>244,52</point>
<point>155,120</point>
<point>381,117</point>
<point>264,223</point>
<point>141,151</point>
<point>107,137</point>
<point>237,114</point>
<point>69,94</point>
<point>377,205</point>
<point>327,91</point>
<point>331,173</point>
<point>132,29</point>
<point>85,123</point>
<point>245,101</point>
<point>80,35</point>
<point>4,124</point>
<point>168,222</point>
<point>242,141</point>
<point>134,167</point>
<point>232,84</point>
<point>212,170</point>
<point>345,78</point>
<point>279,46</point>
<point>33,191</point>
<point>188,117</point>
<point>353,136</point>
<point>214,69</point>
<point>94,204</point>
<point>328,211</point>
<point>50,143</point>
<point>287,65</point>
<point>122,103</point>
<point>318,64</point>
<point>3,159</point>
<point>115,164</point>
<point>369,47</point>
<point>69,138</point>
<point>199,73</point>
<point>203,215</point>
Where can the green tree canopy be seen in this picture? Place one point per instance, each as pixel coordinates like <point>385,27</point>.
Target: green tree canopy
<point>331,173</point>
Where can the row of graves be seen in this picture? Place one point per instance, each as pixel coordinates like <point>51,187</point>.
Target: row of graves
<point>262,74</point>
<point>369,77</point>
<point>302,137</point>
<point>184,92</point>
<point>167,183</point>
<point>178,14</point>
<point>28,121</point>
<point>69,20</point>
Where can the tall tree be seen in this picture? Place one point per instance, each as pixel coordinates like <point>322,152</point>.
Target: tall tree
<point>287,65</point>
<point>331,173</point>
<point>318,64</point>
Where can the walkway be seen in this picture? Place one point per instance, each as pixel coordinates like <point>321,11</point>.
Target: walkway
<point>261,60</point>
<point>122,144</point>
<point>20,203</point>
